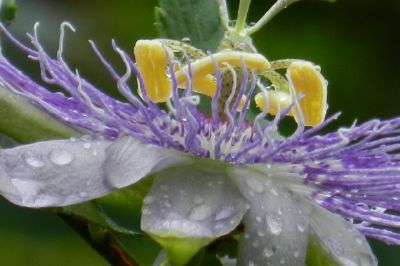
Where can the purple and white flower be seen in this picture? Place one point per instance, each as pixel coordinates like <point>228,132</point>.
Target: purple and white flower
<point>210,174</point>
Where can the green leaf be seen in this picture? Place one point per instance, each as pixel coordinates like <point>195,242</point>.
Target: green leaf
<point>197,20</point>
<point>119,211</point>
<point>8,10</point>
<point>317,255</point>
<point>25,123</point>
<point>140,247</point>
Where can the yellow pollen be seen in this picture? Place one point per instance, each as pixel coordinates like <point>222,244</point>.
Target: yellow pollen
<point>152,60</point>
<point>306,79</point>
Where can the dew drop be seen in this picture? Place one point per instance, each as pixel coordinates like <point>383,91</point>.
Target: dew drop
<point>182,192</point>
<point>300,228</point>
<point>34,162</point>
<point>200,212</point>
<point>224,213</point>
<point>268,252</point>
<point>164,187</point>
<point>61,157</point>
<point>260,233</point>
<point>198,200</point>
<point>348,262</point>
<point>146,211</point>
<point>282,261</point>
<point>246,236</point>
<point>255,185</point>
<point>83,194</point>
<point>149,200</point>
<point>259,219</point>
<point>275,223</point>
<point>274,192</point>
<point>296,254</point>
<point>255,244</point>
<point>87,145</point>
<point>359,240</point>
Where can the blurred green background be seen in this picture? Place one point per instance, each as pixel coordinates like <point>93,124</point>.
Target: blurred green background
<point>356,42</point>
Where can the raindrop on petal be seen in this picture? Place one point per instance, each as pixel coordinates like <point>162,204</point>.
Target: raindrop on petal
<point>268,252</point>
<point>255,185</point>
<point>224,213</point>
<point>275,223</point>
<point>34,162</point>
<point>300,228</point>
<point>148,200</point>
<point>61,157</point>
<point>200,212</point>
<point>198,200</point>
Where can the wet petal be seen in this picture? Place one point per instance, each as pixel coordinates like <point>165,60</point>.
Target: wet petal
<point>64,172</point>
<point>337,236</point>
<point>128,160</point>
<point>276,232</point>
<point>188,207</point>
<point>53,173</point>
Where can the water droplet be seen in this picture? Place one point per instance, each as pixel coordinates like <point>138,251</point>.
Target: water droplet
<point>300,228</point>
<point>146,211</point>
<point>61,157</point>
<point>34,162</point>
<point>182,192</point>
<point>274,192</point>
<point>268,252</point>
<point>255,185</point>
<point>164,187</point>
<point>198,200</point>
<point>246,236</point>
<point>87,145</point>
<point>224,213</point>
<point>296,254</point>
<point>255,244</point>
<point>259,219</point>
<point>348,262</point>
<point>260,233</point>
<point>282,261</point>
<point>359,240</point>
<point>149,200</point>
<point>275,223</point>
<point>83,194</point>
<point>200,212</point>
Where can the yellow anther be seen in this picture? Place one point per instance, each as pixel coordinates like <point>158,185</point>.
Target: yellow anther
<point>205,66</point>
<point>152,61</point>
<point>306,79</point>
<point>277,101</point>
<point>206,85</point>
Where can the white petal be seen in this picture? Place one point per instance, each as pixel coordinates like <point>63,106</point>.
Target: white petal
<point>338,236</point>
<point>191,202</point>
<point>53,173</point>
<point>64,172</point>
<point>128,160</point>
<point>276,232</point>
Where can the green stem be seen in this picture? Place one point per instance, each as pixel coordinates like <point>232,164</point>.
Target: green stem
<point>242,15</point>
<point>106,245</point>
<point>275,9</point>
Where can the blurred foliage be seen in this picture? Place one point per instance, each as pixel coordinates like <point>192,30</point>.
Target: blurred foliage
<point>355,42</point>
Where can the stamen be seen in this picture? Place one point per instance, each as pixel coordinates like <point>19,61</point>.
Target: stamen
<point>305,79</point>
<point>277,100</point>
<point>205,66</point>
<point>152,60</point>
